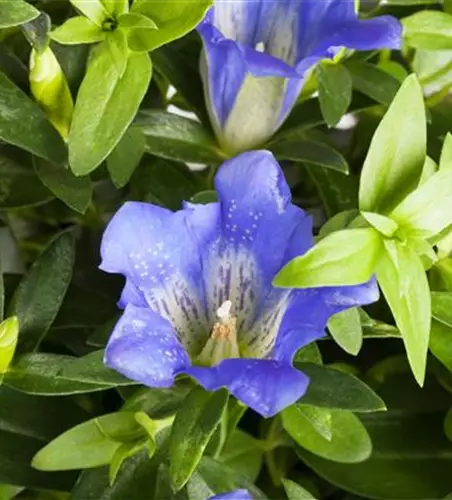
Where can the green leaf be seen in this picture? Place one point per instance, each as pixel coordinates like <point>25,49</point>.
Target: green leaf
<point>75,192</point>
<point>90,444</point>
<point>448,425</point>
<point>77,30</point>
<point>177,138</point>
<point>296,492</point>
<point>394,162</point>
<point>122,453</point>
<point>442,307</point>
<point>105,107</point>
<point>116,8</point>
<point>335,91</point>
<point>319,418</point>
<point>346,257</point>
<point>119,52</point>
<point>195,423</point>
<point>9,331</point>
<point>92,9</point>
<point>402,278</point>
<point>313,153</point>
<point>205,197</point>
<point>41,292</point>
<point>23,124</point>
<point>373,81</point>
<point>126,156</point>
<point>384,225</point>
<point>173,18</point>
<point>426,211</point>
<point>58,375</point>
<point>407,462</point>
<point>16,13</point>
<point>430,30</point>
<point>349,443</point>
<point>440,342</point>
<point>244,454</point>
<point>345,328</point>
<point>445,162</point>
<point>334,389</point>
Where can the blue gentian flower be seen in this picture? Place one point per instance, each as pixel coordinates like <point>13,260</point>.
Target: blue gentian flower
<point>199,298</point>
<point>233,495</point>
<point>257,54</point>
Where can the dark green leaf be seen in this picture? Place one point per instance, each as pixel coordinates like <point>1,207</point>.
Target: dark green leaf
<point>54,374</point>
<point>106,104</point>
<point>177,138</point>
<point>195,423</point>
<point>315,153</point>
<point>23,124</point>
<point>41,292</point>
<point>75,192</point>
<point>335,91</point>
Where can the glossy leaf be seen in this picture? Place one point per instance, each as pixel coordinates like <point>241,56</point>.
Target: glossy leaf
<point>9,331</point>
<point>394,162</point>
<point>346,257</point>
<point>345,328</point>
<point>16,13</point>
<point>41,293</point>
<point>296,492</point>
<point>105,107</point>
<point>126,156</point>
<point>402,278</point>
<point>195,423</point>
<point>77,30</point>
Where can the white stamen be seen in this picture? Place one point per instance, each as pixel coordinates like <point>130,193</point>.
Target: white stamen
<point>224,312</point>
<point>260,47</point>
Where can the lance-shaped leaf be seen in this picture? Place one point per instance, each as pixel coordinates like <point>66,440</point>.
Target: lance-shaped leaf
<point>92,9</point>
<point>105,106</point>
<point>394,162</point>
<point>77,30</point>
<point>402,278</point>
<point>345,328</point>
<point>346,257</point>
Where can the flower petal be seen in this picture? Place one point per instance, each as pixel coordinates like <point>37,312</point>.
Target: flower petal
<point>310,309</point>
<point>154,249</point>
<point>266,386</point>
<point>144,347</point>
<point>233,495</point>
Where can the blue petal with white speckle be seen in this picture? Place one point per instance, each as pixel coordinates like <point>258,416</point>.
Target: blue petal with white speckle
<point>247,40</point>
<point>198,297</point>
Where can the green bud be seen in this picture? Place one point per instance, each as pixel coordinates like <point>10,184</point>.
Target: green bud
<point>50,89</point>
<point>9,332</point>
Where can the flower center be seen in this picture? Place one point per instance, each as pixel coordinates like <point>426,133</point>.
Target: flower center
<point>222,343</point>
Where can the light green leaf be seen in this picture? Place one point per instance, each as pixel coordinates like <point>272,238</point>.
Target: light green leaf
<point>90,444</point>
<point>121,454</point>
<point>296,492</point>
<point>333,389</point>
<point>394,162</point>
<point>335,90</point>
<point>75,192</point>
<point>440,342</point>
<point>319,418</point>
<point>92,9</point>
<point>350,442</point>
<point>126,156</point>
<point>116,8</point>
<point>119,52</point>
<point>9,331</point>
<point>177,138</point>
<point>345,328</point>
<point>195,423</point>
<point>105,107</point>
<point>402,278</point>
<point>25,125</point>
<point>429,30</point>
<point>15,13</point>
<point>427,210</point>
<point>58,375</point>
<point>384,225</point>
<point>41,292</point>
<point>133,20</point>
<point>428,170</point>
<point>77,30</point>
<point>442,307</point>
<point>311,152</point>
<point>173,18</point>
<point>445,162</point>
<point>244,454</point>
<point>346,257</point>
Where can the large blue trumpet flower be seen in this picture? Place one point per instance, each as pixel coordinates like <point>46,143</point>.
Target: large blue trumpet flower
<point>257,54</point>
<point>199,298</point>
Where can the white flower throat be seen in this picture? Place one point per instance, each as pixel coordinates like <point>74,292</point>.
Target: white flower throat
<point>222,343</point>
